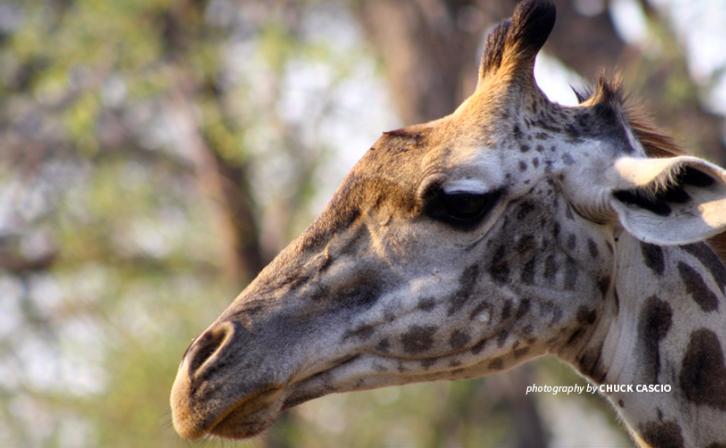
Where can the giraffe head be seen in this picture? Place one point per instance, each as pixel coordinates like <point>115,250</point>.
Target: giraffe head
<point>453,249</point>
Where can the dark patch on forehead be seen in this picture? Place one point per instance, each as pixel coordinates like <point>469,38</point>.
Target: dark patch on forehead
<point>697,288</point>
<point>404,139</point>
<point>710,261</point>
<point>703,373</point>
<point>716,445</point>
<point>662,434</point>
<point>418,338</point>
<point>653,257</point>
<point>459,339</point>
<point>467,281</point>
<point>654,322</point>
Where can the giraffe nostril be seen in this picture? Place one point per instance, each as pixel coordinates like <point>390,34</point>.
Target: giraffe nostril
<point>205,346</point>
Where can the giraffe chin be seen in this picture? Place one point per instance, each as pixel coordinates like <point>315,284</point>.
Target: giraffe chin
<point>250,416</point>
<point>242,423</point>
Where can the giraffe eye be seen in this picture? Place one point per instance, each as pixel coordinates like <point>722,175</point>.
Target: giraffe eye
<point>460,209</point>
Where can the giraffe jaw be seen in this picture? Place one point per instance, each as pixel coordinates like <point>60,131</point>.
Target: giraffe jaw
<point>252,416</point>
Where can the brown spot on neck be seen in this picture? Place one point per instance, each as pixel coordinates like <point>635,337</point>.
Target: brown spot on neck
<point>697,288</point>
<point>653,257</point>
<point>662,434</point>
<point>703,373</point>
<point>654,322</point>
<point>710,261</point>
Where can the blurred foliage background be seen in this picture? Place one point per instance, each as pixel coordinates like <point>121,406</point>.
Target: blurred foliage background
<point>155,154</point>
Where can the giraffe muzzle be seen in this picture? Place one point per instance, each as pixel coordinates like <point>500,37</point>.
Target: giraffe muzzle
<point>208,398</point>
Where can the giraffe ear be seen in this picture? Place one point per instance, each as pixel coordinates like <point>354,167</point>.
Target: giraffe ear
<point>513,45</point>
<point>674,200</point>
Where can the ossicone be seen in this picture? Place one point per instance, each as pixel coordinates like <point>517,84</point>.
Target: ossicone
<point>512,46</point>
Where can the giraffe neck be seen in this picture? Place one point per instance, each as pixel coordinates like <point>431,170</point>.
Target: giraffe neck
<point>663,324</point>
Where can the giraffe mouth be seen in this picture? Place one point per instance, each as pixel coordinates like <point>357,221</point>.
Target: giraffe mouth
<point>253,414</point>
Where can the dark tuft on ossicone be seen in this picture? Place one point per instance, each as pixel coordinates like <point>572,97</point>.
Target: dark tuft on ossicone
<point>520,37</point>
<point>532,23</point>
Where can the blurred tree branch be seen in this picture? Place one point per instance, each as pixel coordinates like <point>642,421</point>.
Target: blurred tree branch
<point>427,48</point>
<point>671,94</point>
<point>227,189</point>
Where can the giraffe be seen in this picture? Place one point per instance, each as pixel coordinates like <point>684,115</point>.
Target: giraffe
<point>510,229</point>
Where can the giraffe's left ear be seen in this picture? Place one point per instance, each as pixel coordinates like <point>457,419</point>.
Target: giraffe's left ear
<point>674,200</point>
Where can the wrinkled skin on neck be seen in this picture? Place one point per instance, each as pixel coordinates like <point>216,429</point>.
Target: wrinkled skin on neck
<point>453,249</point>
